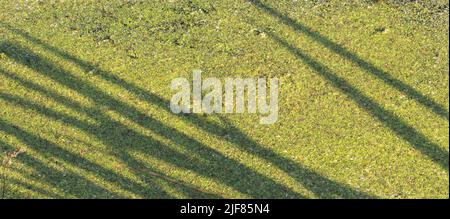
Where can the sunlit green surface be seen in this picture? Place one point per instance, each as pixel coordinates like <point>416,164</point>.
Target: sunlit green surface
<point>85,90</point>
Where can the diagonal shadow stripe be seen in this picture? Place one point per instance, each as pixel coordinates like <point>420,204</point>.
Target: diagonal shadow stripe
<point>51,175</point>
<point>368,67</point>
<point>394,123</point>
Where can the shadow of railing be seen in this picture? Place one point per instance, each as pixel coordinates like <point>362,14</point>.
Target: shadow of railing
<point>12,193</point>
<point>89,189</point>
<point>406,89</point>
<point>316,183</point>
<point>394,123</point>
<point>237,179</point>
<point>10,189</point>
<point>50,175</point>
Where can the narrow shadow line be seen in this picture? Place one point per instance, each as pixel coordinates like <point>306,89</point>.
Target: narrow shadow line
<point>368,67</point>
<point>187,190</point>
<point>396,124</point>
<point>316,183</point>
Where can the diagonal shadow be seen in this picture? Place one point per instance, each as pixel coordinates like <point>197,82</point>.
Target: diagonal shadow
<point>5,192</point>
<point>126,138</point>
<point>195,193</point>
<point>48,174</point>
<point>316,183</point>
<point>53,176</point>
<point>396,124</point>
<point>27,186</point>
<point>345,53</point>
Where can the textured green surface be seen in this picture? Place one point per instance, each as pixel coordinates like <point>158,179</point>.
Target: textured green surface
<point>84,90</point>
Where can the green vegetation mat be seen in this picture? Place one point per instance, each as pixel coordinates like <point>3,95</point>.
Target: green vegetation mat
<point>85,92</point>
